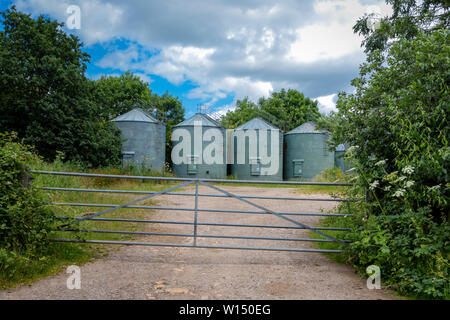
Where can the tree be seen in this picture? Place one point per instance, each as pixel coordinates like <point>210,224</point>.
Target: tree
<point>397,125</point>
<point>245,111</point>
<point>400,109</point>
<point>285,109</point>
<point>291,108</point>
<point>170,111</point>
<point>116,95</point>
<point>400,114</point>
<point>409,18</point>
<point>44,94</point>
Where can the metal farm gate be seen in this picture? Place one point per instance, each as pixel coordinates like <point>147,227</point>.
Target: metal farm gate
<point>195,223</point>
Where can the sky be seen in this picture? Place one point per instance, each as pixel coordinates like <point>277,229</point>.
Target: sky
<point>214,52</point>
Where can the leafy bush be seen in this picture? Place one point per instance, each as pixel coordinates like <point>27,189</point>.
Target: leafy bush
<point>410,248</point>
<point>397,125</point>
<point>25,222</point>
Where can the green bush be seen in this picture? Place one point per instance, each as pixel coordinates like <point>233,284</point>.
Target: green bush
<point>411,249</point>
<point>397,125</point>
<point>25,222</point>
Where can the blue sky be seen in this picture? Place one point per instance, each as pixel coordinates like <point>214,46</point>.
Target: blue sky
<point>214,52</point>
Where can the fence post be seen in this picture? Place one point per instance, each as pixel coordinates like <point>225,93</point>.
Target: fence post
<point>195,213</point>
<point>26,180</point>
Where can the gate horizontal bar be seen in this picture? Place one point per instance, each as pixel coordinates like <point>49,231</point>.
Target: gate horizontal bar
<point>219,236</point>
<point>200,210</point>
<point>297,223</point>
<point>206,223</point>
<point>134,243</point>
<point>193,194</point>
<point>79,174</point>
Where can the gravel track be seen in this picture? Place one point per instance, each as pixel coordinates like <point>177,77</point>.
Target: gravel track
<point>141,272</point>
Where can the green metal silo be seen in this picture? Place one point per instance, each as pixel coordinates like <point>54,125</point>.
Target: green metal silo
<point>306,152</point>
<point>194,154</point>
<point>258,151</point>
<point>339,160</point>
<point>144,139</point>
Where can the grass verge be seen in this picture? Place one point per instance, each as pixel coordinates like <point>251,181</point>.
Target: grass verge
<point>25,269</point>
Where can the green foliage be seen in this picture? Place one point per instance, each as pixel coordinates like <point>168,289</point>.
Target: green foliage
<point>16,268</point>
<point>45,96</point>
<point>25,222</point>
<point>285,109</point>
<point>23,266</point>
<point>409,19</point>
<point>245,111</point>
<point>170,111</point>
<point>403,102</point>
<point>397,125</point>
<point>410,248</point>
<point>116,95</point>
<point>291,108</point>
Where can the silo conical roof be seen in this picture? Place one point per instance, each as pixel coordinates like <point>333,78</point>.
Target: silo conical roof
<point>204,119</point>
<point>307,127</point>
<point>136,115</point>
<point>257,123</point>
<point>340,147</point>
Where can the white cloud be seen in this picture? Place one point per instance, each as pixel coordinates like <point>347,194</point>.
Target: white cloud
<point>178,64</point>
<point>101,21</point>
<point>226,47</point>
<point>331,37</point>
<point>219,112</point>
<point>120,59</point>
<point>144,77</point>
<point>327,103</point>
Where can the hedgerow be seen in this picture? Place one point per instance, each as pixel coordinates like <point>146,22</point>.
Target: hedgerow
<point>25,222</point>
<point>397,124</point>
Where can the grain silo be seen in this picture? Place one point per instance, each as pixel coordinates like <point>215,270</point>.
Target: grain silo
<point>199,148</point>
<point>339,160</point>
<point>143,140</point>
<point>258,151</point>
<point>306,152</point>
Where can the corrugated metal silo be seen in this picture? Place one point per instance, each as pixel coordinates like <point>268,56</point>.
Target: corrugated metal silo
<point>194,161</point>
<point>339,160</point>
<point>306,152</point>
<point>144,139</point>
<point>259,150</point>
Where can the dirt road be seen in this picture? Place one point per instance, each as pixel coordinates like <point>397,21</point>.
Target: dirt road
<point>140,272</point>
